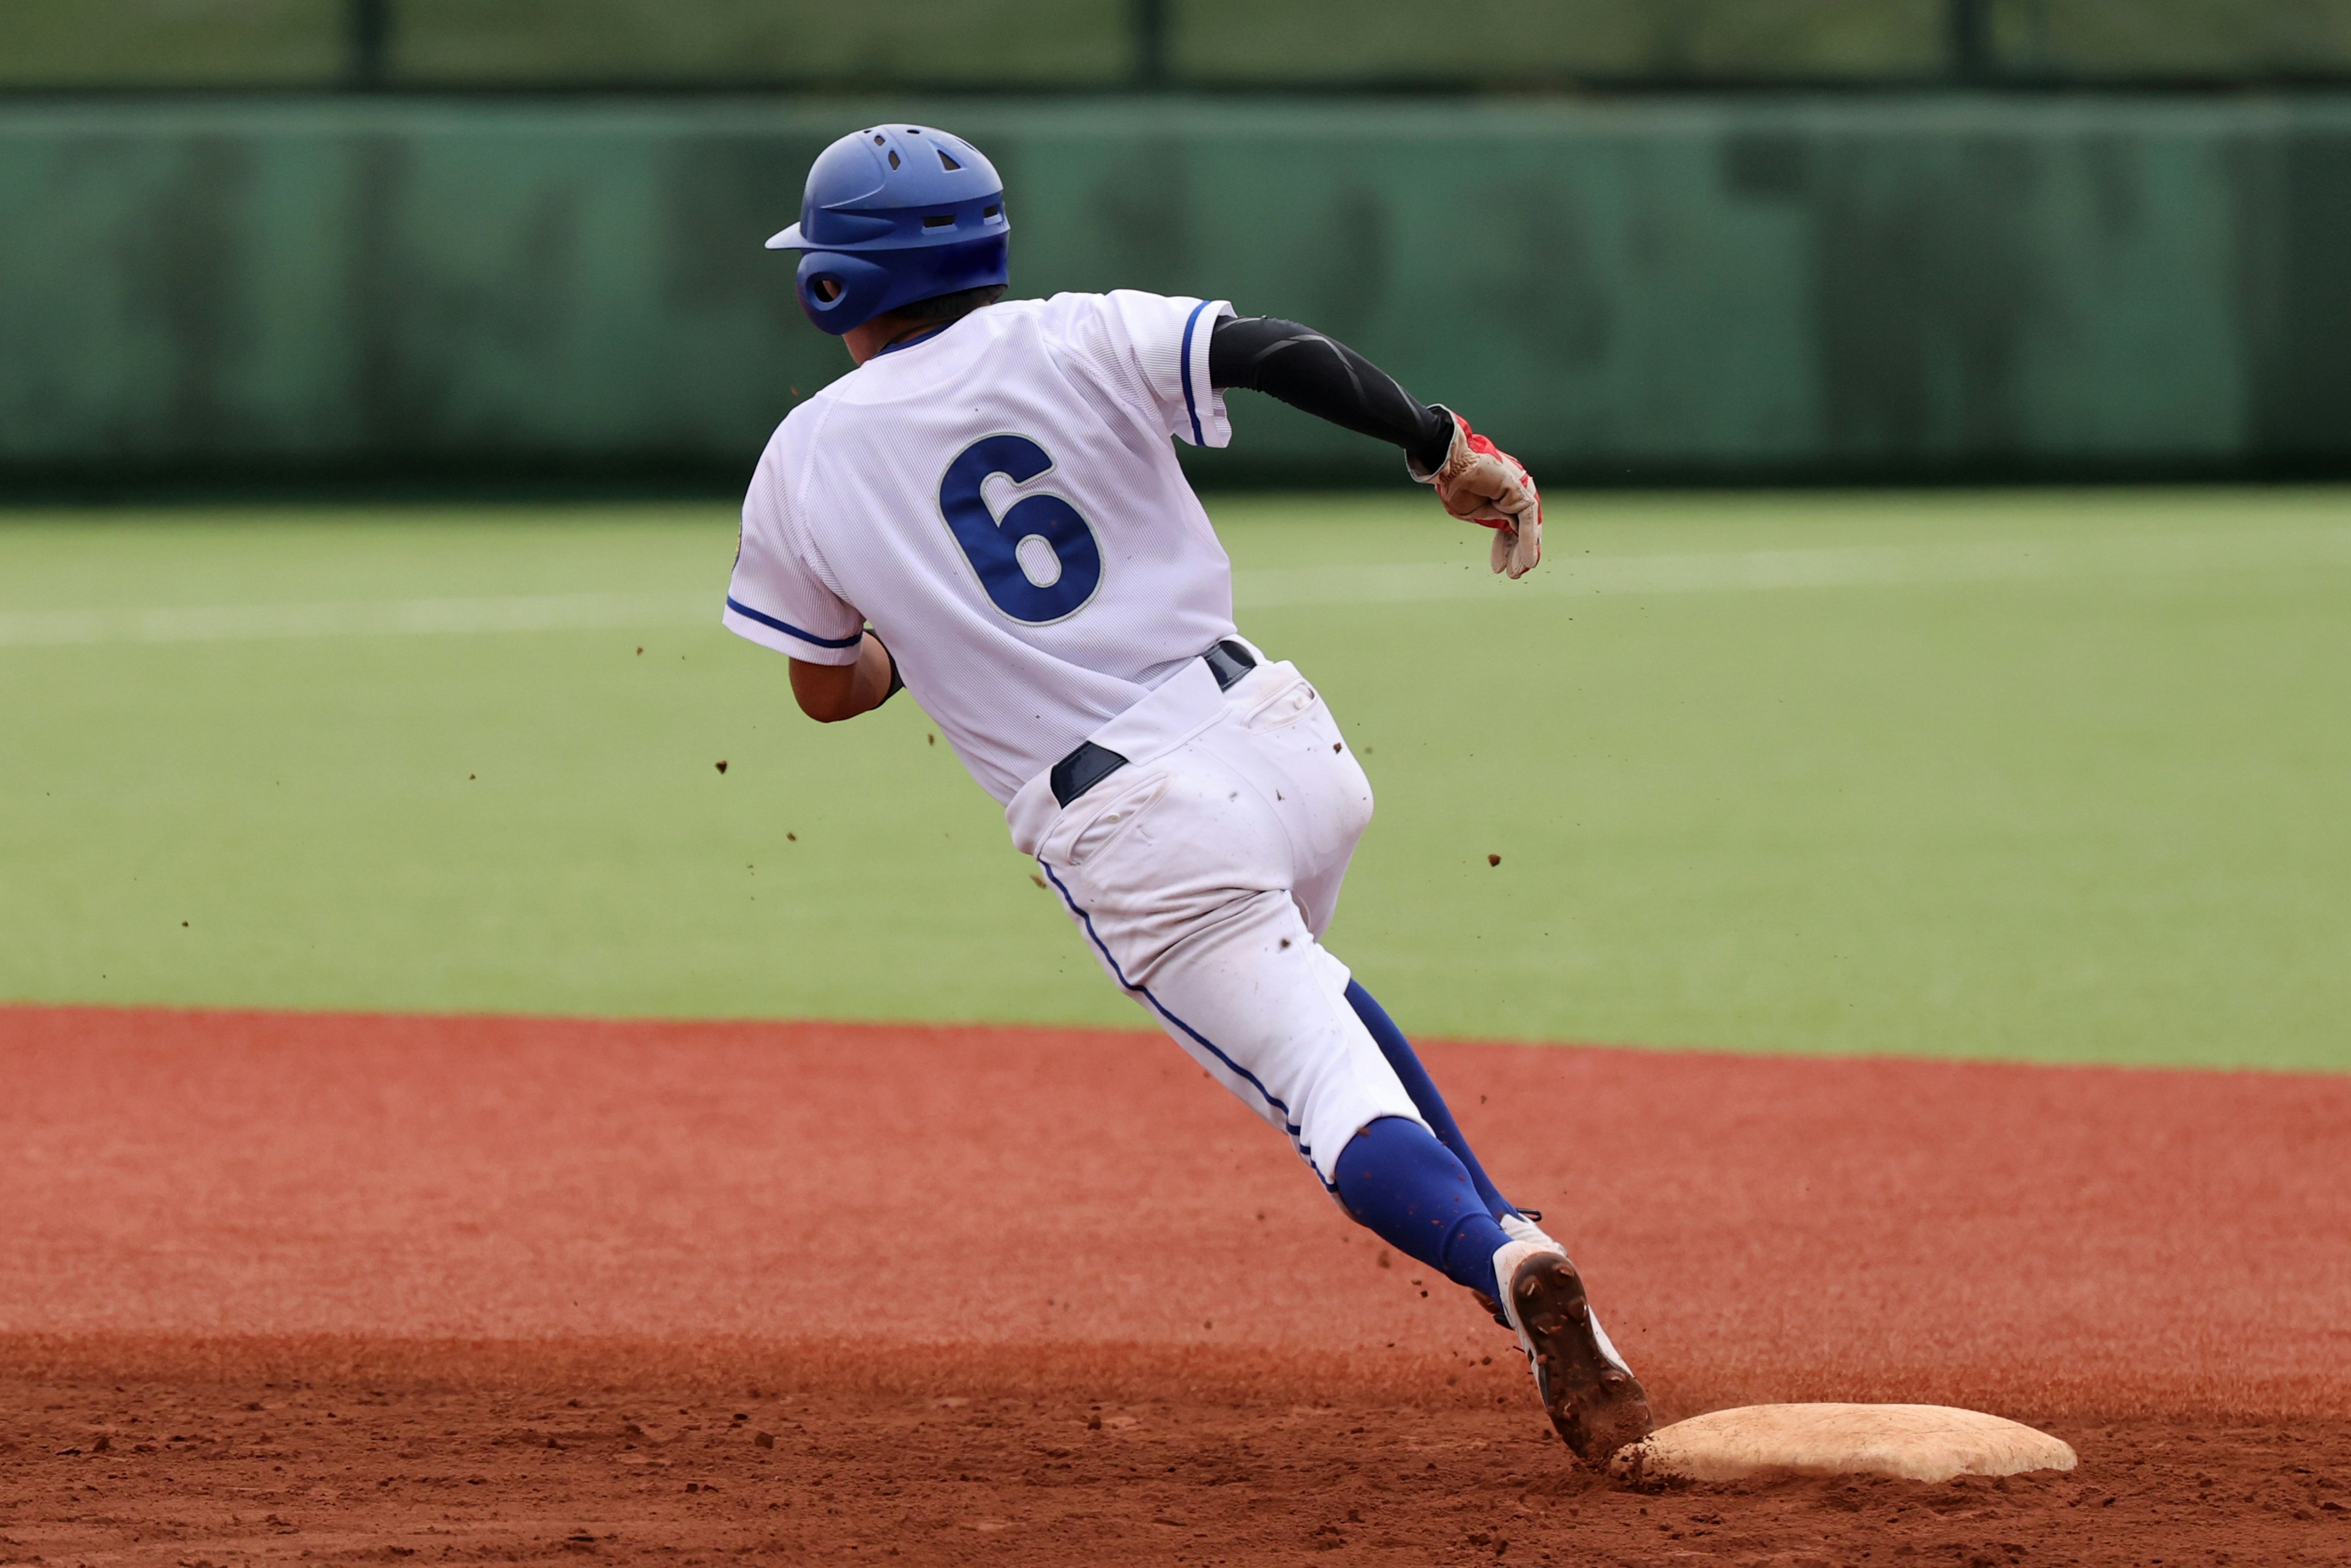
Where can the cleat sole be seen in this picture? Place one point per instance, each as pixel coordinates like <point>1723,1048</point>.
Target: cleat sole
<point>1595,1405</point>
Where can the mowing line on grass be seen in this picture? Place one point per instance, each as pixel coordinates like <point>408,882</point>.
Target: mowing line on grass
<point>1406,583</point>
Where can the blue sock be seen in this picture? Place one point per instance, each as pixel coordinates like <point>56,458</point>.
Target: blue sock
<point>1407,1188</point>
<point>1425,1097</point>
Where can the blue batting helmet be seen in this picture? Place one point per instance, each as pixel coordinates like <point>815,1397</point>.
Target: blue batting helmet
<point>894,213</point>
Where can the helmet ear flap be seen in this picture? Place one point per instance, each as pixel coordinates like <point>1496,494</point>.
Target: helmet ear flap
<point>838,291</point>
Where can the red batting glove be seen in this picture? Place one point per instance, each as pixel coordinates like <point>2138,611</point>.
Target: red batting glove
<point>1481,483</point>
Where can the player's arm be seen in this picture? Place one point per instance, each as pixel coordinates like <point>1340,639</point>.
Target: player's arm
<point>1476,481</point>
<point>1328,380</point>
<point>831,693</point>
<point>780,597</point>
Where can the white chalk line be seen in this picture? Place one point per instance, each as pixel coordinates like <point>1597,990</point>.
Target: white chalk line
<point>1563,574</point>
<point>1751,571</point>
<point>354,618</point>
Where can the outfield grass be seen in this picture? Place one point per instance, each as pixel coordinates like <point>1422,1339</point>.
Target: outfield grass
<point>2057,777</point>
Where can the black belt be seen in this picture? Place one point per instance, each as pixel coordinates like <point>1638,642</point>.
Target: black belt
<point>1090,764</point>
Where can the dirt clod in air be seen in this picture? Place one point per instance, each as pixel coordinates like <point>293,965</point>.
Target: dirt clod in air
<point>1035,878</point>
<point>722,765</point>
<point>1490,860</point>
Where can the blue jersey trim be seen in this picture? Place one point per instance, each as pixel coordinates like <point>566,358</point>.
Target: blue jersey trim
<point>917,337</point>
<point>789,629</point>
<point>1190,406</point>
<point>1201,1040</point>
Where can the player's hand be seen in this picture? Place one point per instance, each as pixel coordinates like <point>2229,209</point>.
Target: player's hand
<point>1481,483</point>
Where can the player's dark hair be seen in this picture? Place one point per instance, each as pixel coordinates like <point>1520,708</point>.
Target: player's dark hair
<point>948,307</point>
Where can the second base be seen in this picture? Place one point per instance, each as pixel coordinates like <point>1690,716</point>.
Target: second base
<point>1914,1442</point>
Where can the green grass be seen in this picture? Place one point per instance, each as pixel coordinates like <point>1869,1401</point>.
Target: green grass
<point>2057,777</point>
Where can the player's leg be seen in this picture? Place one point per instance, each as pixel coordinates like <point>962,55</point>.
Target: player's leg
<point>1251,997</point>
<point>1180,873</point>
<point>1396,1180</point>
<point>1326,848</point>
<point>1415,1181</point>
<point>1244,988</point>
<point>1425,1096</point>
<point>1191,874</point>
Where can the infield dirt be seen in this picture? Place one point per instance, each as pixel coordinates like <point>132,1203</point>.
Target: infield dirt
<point>372,1288</point>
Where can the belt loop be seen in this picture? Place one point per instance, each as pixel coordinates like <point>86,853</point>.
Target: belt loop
<point>1229,662</point>
<point>1082,769</point>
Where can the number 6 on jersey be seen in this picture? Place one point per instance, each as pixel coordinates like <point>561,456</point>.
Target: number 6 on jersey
<point>1048,580</point>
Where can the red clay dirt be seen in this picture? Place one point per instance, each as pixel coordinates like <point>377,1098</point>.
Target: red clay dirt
<point>275,1286</point>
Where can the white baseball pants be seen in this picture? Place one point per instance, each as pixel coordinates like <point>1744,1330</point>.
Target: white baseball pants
<point>1203,875</point>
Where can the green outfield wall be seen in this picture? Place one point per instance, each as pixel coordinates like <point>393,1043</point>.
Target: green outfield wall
<point>1889,286</point>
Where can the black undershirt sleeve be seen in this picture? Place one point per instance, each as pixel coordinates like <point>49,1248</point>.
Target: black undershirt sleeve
<point>1328,380</point>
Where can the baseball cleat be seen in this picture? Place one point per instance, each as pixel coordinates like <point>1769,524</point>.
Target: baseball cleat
<point>1594,1400</point>
<point>1521,1227</point>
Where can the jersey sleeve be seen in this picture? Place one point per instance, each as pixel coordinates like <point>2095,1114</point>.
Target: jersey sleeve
<point>776,597</point>
<point>1153,351</point>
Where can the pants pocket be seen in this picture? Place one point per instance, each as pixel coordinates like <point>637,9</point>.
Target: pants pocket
<point>1100,823</point>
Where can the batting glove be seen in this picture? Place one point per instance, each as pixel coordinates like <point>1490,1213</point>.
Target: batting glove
<point>1481,483</point>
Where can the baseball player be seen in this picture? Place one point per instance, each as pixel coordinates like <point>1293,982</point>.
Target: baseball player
<point>988,511</point>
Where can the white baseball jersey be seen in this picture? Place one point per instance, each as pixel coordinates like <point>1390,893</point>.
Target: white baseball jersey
<point>1002,503</point>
